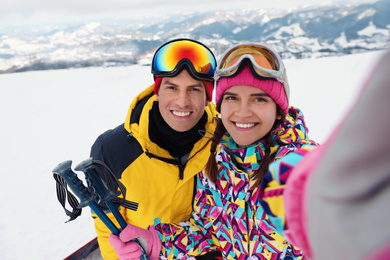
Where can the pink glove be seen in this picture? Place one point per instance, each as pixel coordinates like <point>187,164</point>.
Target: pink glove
<point>125,251</point>
<point>148,238</point>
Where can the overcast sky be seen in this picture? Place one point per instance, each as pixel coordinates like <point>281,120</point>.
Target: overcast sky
<point>24,12</point>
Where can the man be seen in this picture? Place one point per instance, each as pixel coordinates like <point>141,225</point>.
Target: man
<point>165,140</point>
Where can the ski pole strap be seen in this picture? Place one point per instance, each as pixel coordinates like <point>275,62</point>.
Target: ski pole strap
<point>62,194</point>
<point>108,176</point>
<point>125,203</point>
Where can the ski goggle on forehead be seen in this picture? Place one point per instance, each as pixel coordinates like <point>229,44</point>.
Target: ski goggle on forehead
<point>264,61</point>
<point>171,57</point>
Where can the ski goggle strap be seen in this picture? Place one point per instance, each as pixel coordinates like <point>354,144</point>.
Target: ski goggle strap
<point>170,58</point>
<point>266,63</point>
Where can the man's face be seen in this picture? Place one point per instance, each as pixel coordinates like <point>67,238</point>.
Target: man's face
<point>181,101</point>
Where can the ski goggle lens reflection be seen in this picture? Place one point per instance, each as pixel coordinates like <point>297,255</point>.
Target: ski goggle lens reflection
<point>168,56</point>
<point>264,62</point>
<point>262,58</point>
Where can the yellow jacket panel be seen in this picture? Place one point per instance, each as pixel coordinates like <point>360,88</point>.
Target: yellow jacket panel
<point>153,184</point>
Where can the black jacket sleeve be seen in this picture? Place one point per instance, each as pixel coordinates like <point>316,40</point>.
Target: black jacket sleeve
<point>117,148</point>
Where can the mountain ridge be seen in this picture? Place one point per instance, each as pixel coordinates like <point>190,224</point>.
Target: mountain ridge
<point>303,32</point>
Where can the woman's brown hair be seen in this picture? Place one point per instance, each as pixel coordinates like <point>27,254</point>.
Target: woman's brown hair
<point>211,166</point>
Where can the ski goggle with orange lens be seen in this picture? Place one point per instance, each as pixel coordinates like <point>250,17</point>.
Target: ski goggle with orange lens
<point>170,59</point>
<point>264,61</point>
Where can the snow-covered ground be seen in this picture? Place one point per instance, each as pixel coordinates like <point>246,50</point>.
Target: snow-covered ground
<point>48,117</point>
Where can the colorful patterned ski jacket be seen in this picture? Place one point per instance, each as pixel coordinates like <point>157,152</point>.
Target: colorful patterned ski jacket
<point>229,214</point>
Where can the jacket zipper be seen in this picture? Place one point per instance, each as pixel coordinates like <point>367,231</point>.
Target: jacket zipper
<point>170,161</point>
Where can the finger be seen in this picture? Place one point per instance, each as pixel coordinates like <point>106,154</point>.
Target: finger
<point>115,241</point>
<point>129,233</point>
<point>130,251</point>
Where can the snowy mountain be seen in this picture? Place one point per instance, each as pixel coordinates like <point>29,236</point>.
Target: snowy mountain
<point>326,30</point>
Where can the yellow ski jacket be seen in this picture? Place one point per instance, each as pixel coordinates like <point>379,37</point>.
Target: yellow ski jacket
<point>155,182</point>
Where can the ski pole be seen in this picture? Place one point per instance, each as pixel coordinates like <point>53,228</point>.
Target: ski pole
<point>86,198</point>
<point>104,194</point>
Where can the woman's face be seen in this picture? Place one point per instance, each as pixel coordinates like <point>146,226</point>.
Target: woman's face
<point>248,113</point>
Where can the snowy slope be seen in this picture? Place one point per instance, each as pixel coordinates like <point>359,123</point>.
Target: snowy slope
<point>51,116</point>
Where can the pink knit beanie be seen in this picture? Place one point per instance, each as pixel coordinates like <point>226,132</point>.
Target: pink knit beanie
<point>272,87</point>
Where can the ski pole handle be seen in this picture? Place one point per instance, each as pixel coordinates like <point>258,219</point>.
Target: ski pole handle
<point>86,198</point>
<point>76,185</point>
<point>94,181</point>
<point>103,192</point>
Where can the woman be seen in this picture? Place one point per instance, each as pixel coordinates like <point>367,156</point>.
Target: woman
<point>233,213</point>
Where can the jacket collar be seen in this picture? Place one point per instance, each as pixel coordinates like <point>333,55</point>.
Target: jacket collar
<point>137,123</point>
